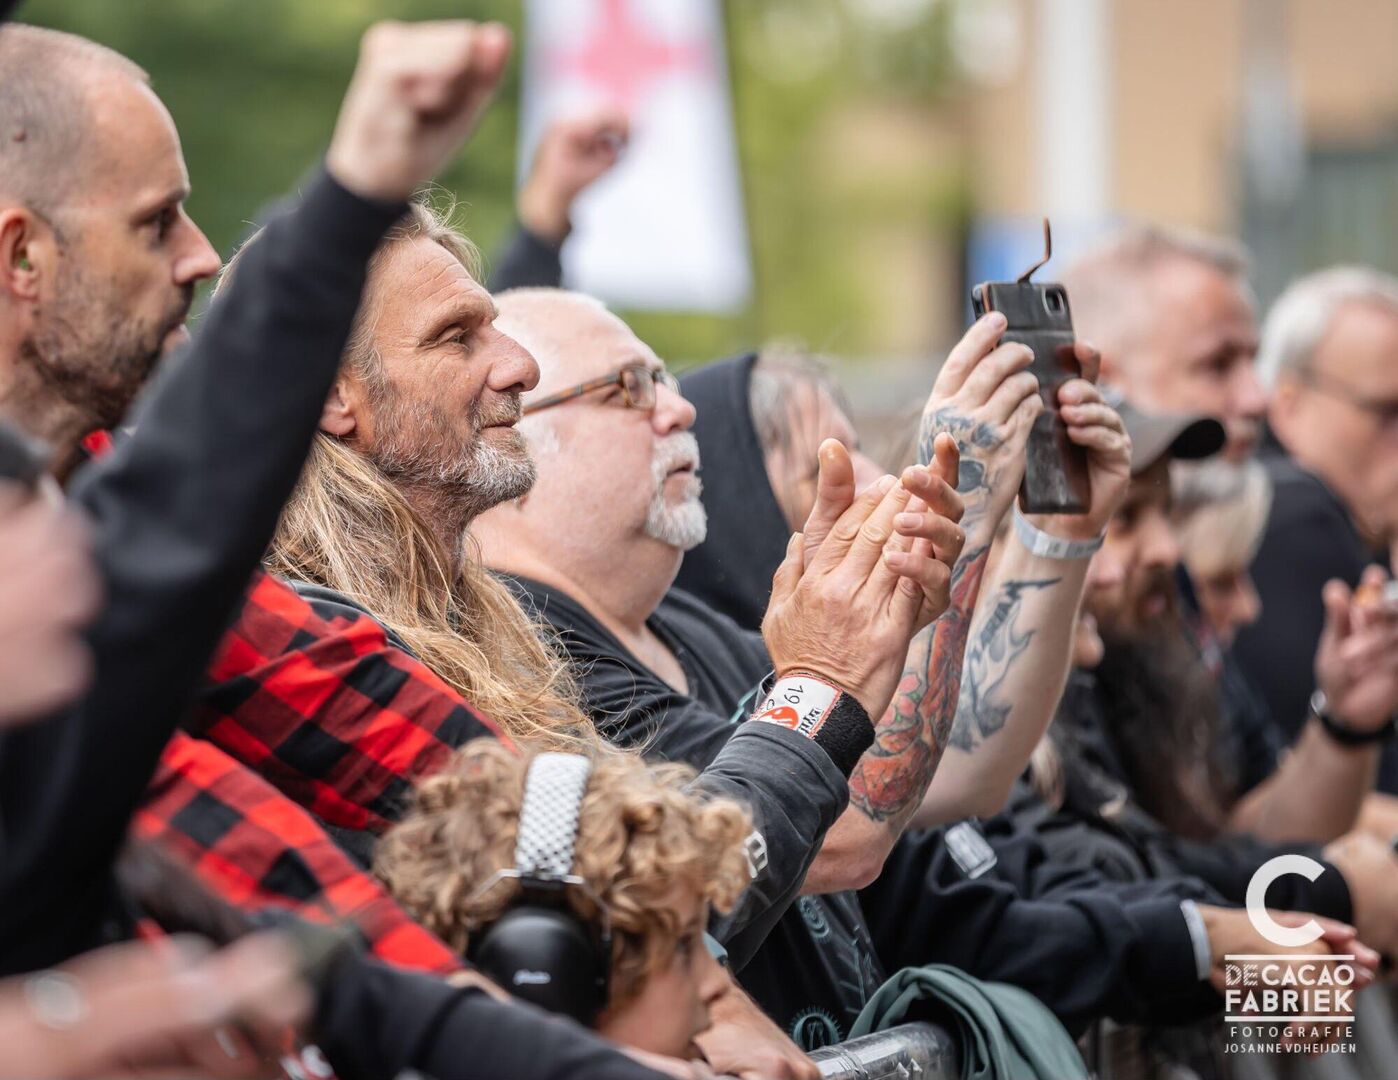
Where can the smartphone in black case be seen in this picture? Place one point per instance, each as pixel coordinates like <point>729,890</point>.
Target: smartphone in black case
<point>1055,473</point>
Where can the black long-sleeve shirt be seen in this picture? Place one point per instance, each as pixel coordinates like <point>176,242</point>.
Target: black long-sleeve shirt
<point>793,788</point>
<point>180,514</point>
<point>1084,946</point>
<point>375,1021</point>
<point>1310,538</point>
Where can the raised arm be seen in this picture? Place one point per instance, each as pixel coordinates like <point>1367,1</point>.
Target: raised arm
<point>1317,792</point>
<point>1020,644</point>
<point>572,154</point>
<point>182,512</point>
<point>986,401</point>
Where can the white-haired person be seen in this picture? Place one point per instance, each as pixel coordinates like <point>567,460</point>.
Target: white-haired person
<point>1220,514</point>
<point>1329,356</point>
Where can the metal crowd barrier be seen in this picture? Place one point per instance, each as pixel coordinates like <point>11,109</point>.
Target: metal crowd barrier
<point>905,1052</point>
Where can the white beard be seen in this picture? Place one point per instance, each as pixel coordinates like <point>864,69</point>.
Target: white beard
<point>684,524</point>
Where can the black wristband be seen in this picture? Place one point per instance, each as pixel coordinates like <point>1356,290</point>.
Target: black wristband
<point>1348,736</point>
<point>821,711</point>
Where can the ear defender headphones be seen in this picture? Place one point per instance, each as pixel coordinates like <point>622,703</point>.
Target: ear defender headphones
<point>540,950</point>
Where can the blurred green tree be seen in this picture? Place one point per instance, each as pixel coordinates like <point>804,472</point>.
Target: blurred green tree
<point>254,86</point>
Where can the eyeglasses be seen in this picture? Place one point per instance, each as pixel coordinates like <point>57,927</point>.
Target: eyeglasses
<point>1385,412</point>
<point>638,384</point>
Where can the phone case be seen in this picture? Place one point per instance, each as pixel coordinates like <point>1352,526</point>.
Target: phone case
<point>1055,473</point>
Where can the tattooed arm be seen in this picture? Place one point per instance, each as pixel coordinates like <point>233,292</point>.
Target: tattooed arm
<point>1021,639</point>
<point>986,400</point>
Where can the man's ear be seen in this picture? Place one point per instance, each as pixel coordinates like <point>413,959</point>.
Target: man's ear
<point>1281,403</point>
<point>338,417</point>
<point>25,251</point>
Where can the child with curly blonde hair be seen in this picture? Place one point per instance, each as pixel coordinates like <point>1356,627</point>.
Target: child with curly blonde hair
<point>656,855</point>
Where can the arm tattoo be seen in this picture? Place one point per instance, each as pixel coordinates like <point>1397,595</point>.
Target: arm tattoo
<point>970,435</point>
<point>982,709</point>
<point>893,775</point>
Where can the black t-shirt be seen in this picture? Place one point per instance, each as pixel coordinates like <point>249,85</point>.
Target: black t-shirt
<point>818,966</point>
<point>1310,538</point>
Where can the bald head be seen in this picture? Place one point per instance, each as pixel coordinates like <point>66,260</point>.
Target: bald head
<point>573,336</point>
<point>52,83</point>
<point>1117,287</point>
<point>1173,315</point>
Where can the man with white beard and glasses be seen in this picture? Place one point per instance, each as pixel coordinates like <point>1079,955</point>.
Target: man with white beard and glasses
<point>660,669</point>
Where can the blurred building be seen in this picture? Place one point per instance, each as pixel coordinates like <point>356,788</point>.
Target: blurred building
<point>1272,120</point>
<point>1276,120</point>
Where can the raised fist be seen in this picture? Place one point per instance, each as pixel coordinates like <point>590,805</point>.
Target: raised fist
<point>571,155</point>
<point>417,93</point>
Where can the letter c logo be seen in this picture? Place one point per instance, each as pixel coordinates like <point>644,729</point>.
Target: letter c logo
<point>1287,936</point>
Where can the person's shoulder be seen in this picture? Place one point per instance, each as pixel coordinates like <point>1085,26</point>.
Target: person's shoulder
<point>552,607</point>
<point>1308,526</point>
<point>1300,495</point>
<point>331,606</point>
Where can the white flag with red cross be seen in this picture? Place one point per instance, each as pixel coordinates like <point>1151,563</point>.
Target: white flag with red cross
<point>664,229</point>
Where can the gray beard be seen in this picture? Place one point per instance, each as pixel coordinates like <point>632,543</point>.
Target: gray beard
<point>685,524</point>
<point>682,526</point>
<point>470,481</point>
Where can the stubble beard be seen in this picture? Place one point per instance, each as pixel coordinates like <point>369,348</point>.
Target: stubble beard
<point>94,359</point>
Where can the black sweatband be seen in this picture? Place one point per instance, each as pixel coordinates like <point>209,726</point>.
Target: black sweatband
<point>821,711</point>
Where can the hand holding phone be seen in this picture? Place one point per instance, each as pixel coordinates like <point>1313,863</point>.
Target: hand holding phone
<point>1056,474</point>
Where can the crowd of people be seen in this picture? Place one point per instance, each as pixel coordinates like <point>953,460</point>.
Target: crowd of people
<point>384,691</point>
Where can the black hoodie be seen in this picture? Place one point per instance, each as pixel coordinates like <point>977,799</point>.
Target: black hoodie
<point>732,569</point>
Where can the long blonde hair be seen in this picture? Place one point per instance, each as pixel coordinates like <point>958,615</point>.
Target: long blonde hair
<point>347,527</point>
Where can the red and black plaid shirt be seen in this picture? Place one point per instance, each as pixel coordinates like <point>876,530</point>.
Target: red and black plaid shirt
<point>254,848</point>
<point>327,709</point>
<point>304,713</point>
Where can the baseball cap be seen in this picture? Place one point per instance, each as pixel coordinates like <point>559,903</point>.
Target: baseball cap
<point>1182,436</point>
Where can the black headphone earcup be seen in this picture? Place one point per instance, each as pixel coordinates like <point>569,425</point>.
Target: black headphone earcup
<point>547,957</point>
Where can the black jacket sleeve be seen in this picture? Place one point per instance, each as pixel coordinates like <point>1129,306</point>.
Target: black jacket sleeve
<point>791,785</point>
<point>795,794</point>
<point>373,1021</point>
<point>793,789</point>
<point>181,513</point>
<point>1228,863</point>
<point>1085,953</point>
<point>527,260</point>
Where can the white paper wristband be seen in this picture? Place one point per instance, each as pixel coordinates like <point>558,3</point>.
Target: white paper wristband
<point>1052,547</point>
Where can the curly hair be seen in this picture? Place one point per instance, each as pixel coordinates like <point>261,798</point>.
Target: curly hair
<point>642,832</point>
